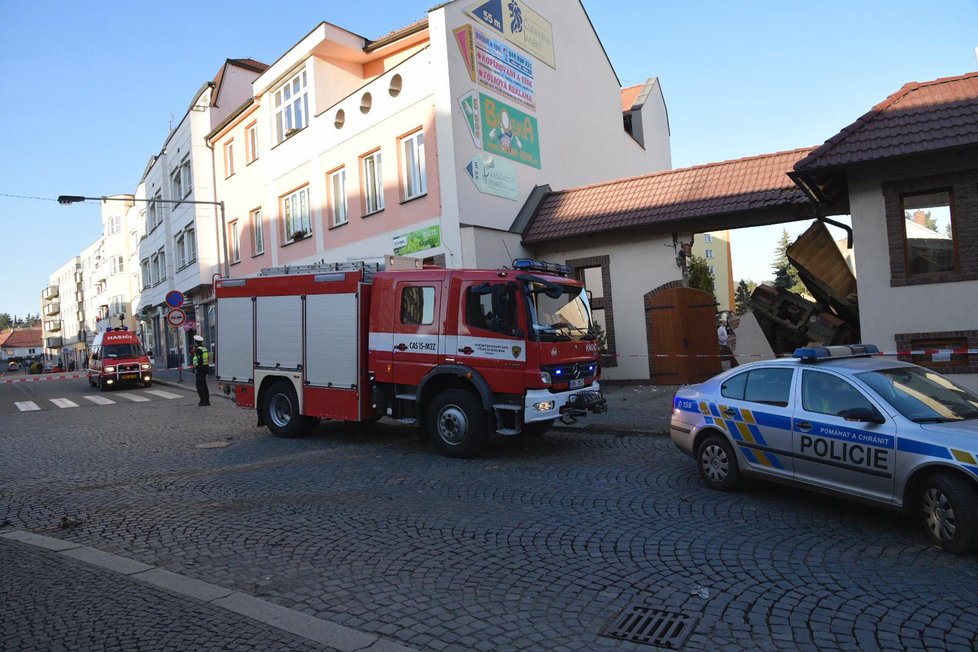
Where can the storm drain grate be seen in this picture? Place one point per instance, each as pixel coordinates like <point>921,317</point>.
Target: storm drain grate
<point>651,626</point>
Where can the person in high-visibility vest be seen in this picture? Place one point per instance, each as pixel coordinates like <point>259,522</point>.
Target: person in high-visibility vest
<point>201,360</point>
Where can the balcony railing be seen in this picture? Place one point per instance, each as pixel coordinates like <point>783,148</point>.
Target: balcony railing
<point>52,326</point>
<point>52,308</point>
<point>53,343</point>
<point>50,292</point>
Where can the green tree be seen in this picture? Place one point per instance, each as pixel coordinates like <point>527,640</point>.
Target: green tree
<point>700,276</point>
<point>5,321</point>
<point>742,296</point>
<point>785,275</point>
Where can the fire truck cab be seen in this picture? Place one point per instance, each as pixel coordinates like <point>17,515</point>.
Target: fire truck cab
<point>462,353</point>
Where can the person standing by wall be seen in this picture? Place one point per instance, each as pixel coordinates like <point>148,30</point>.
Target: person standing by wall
<point>201,363</point>
<point>726,354</point>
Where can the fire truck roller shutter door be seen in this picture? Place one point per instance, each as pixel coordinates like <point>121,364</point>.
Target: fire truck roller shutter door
<point>279,332</point>
<point>235,335</point>
<point>331,337</point>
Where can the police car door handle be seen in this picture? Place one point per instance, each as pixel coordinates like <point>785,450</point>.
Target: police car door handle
<point>803,426</point>
<point>730,413</point>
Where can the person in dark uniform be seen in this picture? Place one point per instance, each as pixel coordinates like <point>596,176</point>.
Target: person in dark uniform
<point>201,362</point>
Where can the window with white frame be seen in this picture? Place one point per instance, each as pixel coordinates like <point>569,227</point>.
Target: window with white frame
<point>295,213</point>
<point>229,158</point>
<point>114,225</point>
<point>186,180</point>
<point>147,276</point>
<point>373,183</point>
<point>154,277</point>
<point>337,196</point>
<point>257,232</point>
<point>709,253</point>
<point>291,105</point>
<point>116,264</point>
<point>251,143</point>
<point>415,179</point>
<point>116,305</point>
<point>162,256</point>
<point>190,244</point>
<point>176,183</point>
<point>707,237</point>
<point>234,242</point>
<point>178,243</point>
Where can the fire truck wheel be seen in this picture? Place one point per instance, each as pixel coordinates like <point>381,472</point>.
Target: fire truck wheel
<point>457,423</point>
<point>281,410</point>
<point>536,428</point>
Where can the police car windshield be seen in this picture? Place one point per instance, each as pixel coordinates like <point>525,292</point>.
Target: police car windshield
<point>567,317</point>
<point>122,351</point>
<point>921,395</point>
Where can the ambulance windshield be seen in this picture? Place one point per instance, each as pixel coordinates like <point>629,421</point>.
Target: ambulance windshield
<point>559,318</point>
<point>122,351</point>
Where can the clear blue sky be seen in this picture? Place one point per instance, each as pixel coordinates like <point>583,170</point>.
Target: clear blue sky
<point>89,88</point>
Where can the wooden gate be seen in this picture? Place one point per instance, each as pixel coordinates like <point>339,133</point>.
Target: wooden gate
<point>682,329</point>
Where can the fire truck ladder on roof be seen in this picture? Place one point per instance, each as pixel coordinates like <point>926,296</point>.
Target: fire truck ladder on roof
<point>368,268</point>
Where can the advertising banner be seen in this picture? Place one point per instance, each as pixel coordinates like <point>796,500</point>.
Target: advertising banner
<point>519,25</point>
<point>426,238</point>
<point>509,132</point>
<point>493,176</point>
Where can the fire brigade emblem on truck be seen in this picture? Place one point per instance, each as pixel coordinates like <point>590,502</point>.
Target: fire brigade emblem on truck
<point>553,352</point>
<point>516,351</point>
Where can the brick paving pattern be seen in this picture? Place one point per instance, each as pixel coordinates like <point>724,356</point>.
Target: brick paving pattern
<point>535,545</point>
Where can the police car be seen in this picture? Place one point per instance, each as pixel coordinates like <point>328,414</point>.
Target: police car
<point>846,421</point>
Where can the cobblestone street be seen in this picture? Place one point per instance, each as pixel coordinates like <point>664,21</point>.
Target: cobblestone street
<point>537,544</point>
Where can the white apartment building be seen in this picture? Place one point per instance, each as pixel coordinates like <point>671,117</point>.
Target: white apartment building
<point>63,323</point>
<point>180,243</point>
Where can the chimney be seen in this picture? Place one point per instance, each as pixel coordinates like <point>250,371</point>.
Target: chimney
<point>920,217</point>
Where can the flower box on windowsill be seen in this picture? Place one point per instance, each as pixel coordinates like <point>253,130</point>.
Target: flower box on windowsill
<point>298,235</point>
<point>292,132</point>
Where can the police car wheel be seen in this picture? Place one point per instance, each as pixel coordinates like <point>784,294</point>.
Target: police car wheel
<point>949,509</point>
<point>718,463</point>
<point>457,423</point>
<point>281,410</point>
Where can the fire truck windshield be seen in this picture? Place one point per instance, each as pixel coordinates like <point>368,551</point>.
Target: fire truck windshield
<point>559,318</point>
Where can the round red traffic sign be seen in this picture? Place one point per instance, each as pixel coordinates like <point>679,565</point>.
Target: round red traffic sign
<point>176,317</point>
<point>174,299</point>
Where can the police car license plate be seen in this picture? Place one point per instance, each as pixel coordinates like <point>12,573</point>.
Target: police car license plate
<point>576,383</point>
<point>128,376</point>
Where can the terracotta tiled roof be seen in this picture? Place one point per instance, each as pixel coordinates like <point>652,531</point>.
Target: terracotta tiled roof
<point>746,184</point>
<point>629,96</point>
<point>21,338</point>
<point>920,117</point>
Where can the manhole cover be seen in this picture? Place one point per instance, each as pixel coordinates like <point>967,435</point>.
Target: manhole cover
<point>660,627</point>
<point>214,444</point>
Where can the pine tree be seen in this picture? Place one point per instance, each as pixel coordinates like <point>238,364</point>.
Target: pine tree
<point>785,275</point>
<point>742,296</point>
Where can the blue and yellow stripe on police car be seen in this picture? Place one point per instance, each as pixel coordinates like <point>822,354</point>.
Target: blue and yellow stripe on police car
<point>743,428</point>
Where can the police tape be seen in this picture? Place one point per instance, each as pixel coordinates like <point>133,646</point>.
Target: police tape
<point>769,356</point>
<point>43,377</point>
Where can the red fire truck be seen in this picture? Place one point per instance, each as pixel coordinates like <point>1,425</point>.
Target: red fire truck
<point>461,353</point>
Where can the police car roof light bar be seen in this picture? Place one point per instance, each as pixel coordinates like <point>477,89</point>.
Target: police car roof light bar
<point>529,264</point>
<point>816,353</point>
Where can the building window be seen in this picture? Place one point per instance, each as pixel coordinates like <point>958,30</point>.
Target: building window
<point>291,104</point>
<point>418,305</point>
<point>115,225</point>
<point>713,270</point>
<point>234,243</point>
<point>945,354</point>
<point>928,232</point>
<point>366,101</point>
<point>116,265</point>
<point>154,213</point>
<point>190,245</point>
<point>396,84</point>
<point>707,237</point>
<point>295,209</point>
<point>258,232</point>
<point>186,178</point>
<point>147,277</point>
<point>179,243</point>
<point>709,253</point>
<point>154,278</point>
<point>251,143</point>
<point>162,258</point>
<point>415,180</point>
<point>337,196</point>
<point>229,158</point>
<point>373,183</point>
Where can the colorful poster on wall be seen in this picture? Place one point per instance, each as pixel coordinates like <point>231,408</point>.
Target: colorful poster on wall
<point>470,111</point>
<point>426,238</point>
<point>495,65</point>
<point>519,25</point>
<point>509,132</point>
<point>493,176</point>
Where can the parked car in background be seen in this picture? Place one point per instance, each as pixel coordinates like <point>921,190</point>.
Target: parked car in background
<point>13,365</point>
<point>845,421</point>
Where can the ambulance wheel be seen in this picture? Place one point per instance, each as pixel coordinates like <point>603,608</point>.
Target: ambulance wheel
<point>147,384</point>
<point>457,423</point>
<point>949,510</point>
<point>102,386</point>
<point>537,428</point>
<point>281,410</point>
<point>718,463</point>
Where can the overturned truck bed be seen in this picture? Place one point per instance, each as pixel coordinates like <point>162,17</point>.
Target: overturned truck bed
<point>790,320</point>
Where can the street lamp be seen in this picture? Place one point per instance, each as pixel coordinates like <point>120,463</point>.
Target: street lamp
<point>74,199</point>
